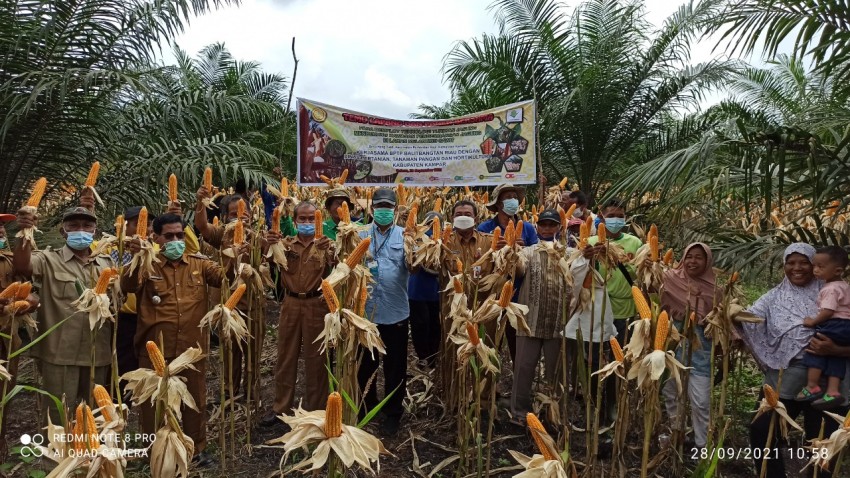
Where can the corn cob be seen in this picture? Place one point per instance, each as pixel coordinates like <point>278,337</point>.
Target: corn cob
<point>104,401</point>
<point>570,211</point>
<point>318,223</point>
<point>653,248</point>
<point>507,293</point>
<point>510,234</point>
<point>494,244</point>
<point>486,197</point>
<point>326,180</point>
<point>642,306</point>
<point>662,328</point>
<point>518,229</point>
<point>235,297</point>
<point>284,187</point>
<point>330,296</point>
<point>563,183</point>
<point>156,357</point>
<point>668,257</point>
<point>343,176</point>
<point>588,280</point>
<point>457,285</point>
<point>37,192</point>
<point>446,190</point>
<point>275,225</point>
<point>447,233</point>
<point>172,188</point>
<point>846,423</point>
<point>119,225</point>
<point>79,444</point>
<point>538,432</point>
<point>601,234</point>
<point>734,278</point>
<point>525,216</point>
<point>466,190</point>
<point>653,231</point>
<point>142,224</point>
<point>357,254</point>
<point>361,303</point>
<point>400,193</point>
<point>93,442</point>
<point>693,318</point>
<point>106,276</point>
<point>472,331</point>
<point>344,213</point>
<point>19,305</point>
<point>410,224</point>
<point>241,209</point>
<point>91,179</point>
<point>11,291</point>
<point>436,229</point>
<point>208,179</point>
<point>24,291</point>
<point>438,205</point>
<point>459,265</point>
<point>215,221</point>
<point>563,216</point>
<point>333,416</point>
<point>770,395</point>
<point>238,233</point>
<point>616,349</point>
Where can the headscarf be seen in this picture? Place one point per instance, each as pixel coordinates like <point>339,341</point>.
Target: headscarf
<point>782,336</point>
<point>682,293</point>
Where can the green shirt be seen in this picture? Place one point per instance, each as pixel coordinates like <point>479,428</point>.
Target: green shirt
<point>619,290</point>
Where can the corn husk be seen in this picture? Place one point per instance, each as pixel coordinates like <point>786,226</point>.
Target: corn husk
<point>146,385</point>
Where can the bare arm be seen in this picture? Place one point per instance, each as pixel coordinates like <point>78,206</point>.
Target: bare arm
<point>22,259</point>
<point>201,223</point>
<point>823,316</point>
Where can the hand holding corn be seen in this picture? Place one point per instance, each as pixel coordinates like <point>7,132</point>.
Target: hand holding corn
<point>87,199</point>
<point>203,193</point>
<point>134,245</point>
<point>26,219</point>
<point>323,243</point>
<point>272,238</point>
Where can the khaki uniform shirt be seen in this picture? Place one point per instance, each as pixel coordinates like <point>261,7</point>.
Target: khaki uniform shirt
<point>468,251</point>
<point>307,265</point>
<point>181,289</point>
<point>7,271</point>
<point>56,274</point>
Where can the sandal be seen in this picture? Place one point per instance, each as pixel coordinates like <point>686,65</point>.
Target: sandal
<point>828,402</point>
<point>807,395</point>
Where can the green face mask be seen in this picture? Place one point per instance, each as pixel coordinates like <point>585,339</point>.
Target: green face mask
<point>384,217</point>
<point>3,243</point>
<point>174,250</point>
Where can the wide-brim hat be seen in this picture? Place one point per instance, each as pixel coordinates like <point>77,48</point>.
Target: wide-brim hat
<point>502,188</point>
<point>338,193</point>
<point>78,213</point>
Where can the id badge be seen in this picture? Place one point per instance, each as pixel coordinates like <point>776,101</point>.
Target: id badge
<point>476,272</point>
<point>373,267</point>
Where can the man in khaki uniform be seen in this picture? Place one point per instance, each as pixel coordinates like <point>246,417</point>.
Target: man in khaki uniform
<point>173,301</point>
<point>64,356</point>
<point>7,277</point>
<point>301,317</point>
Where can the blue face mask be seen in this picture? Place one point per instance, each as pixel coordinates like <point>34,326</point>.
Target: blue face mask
<point>615,224</point>
<point>174,250</point>
<point>306,229</point>
<point>79,240</point>
<point>597,221</point>
<point>510,206</point>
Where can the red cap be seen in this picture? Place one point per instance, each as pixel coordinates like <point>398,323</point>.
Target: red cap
<point>7,217</point>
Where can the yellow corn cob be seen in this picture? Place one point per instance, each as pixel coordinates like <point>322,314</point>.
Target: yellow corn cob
<point>447,233</point>
<point>208,179</point>
<point>333,416</point>
<point>734,278</point>
<point>156,357</point>
<point>410,224</point>
<point>79,444</point>
<point>563,183</point>
<point>275,225</point>
<point>436,229</point>
<point>494,244</point>
<point>91,180</point>
<point>653,248</point>
<point>238,233</point>
<point>653,231</point>
<point>142,227</point>
<point>538,432</point>
<point>472,331</point>
<point>668,257</point>
<point>172,188</point>
<point>846,423</point>
<point>24,291</point>
<point>518,229</point>
<point>563,218</point>
<point>343,176</point>
<point>770,395</point>
<point>616,349</point>
<point>357,254</point>
<point>344,213</point>
<point>11,291</point>
<point>119,225</point>
<point>369,193</point>
<point>446,190</point>
<point>241,209</point>
<point>330,296</point>
<point>104,401</point>
<point>458,266</point>
<point>640,303</point>
<point>326,180</point>
<point>284,187</point>
<point>93,442</point>
<point>215,221</point>
<point>601,234</point>
<point>18,306</point>
<point>486,197</point>
<point>106,276</point>
<point>318,223</point>
<point>438,205</point>
<point>507,293</point>
<point>662,328</point>
<point>457,285</point>
<point>510,234</point>
<point>570,211</point>
<point>37,192</point>
<point>235,297</point>
<point>361,303</point>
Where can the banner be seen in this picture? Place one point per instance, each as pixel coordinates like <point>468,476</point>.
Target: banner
<point>484,149</point>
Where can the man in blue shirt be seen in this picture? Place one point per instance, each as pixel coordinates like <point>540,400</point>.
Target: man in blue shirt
<point>423,291</point>
<point>505,203</point>
<point>387,306</point>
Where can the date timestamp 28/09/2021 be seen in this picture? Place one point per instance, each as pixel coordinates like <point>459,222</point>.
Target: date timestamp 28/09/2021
<point>748,453</point>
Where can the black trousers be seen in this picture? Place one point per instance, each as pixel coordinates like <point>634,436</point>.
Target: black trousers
<point>811,426</point>
<point>125,350</point>
<point>395,371</point>
<point>425,329</point>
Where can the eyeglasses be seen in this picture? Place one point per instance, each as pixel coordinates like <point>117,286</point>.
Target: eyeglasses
<point>170,236</point>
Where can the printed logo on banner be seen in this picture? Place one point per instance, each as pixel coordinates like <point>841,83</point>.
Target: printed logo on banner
<point>510,176</point>
<point>515,115</point>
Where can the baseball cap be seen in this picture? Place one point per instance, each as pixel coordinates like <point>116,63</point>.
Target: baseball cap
<point>78,213</point>
<point>549,215</point>
<point>384,195</point>
<point>7,217</point>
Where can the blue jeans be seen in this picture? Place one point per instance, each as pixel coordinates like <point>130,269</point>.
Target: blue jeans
<point>839,331</point>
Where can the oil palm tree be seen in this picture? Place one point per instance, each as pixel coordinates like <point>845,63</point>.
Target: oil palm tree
<point>604,81</point>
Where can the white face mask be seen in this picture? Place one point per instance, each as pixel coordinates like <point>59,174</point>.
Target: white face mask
<point>579,212</point>
<point>463,222</point>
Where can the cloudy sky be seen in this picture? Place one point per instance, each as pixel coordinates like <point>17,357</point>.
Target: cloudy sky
<point>383,57</point>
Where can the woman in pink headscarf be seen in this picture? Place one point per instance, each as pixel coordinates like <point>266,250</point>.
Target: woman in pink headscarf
<point>691,287</point>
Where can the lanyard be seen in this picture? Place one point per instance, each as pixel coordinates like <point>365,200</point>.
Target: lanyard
<point>375,241</point>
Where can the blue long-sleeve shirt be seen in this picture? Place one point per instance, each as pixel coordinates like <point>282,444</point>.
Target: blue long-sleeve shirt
<point>388,302</point>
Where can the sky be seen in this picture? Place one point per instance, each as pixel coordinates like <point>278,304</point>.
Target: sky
<point>382,57</point>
